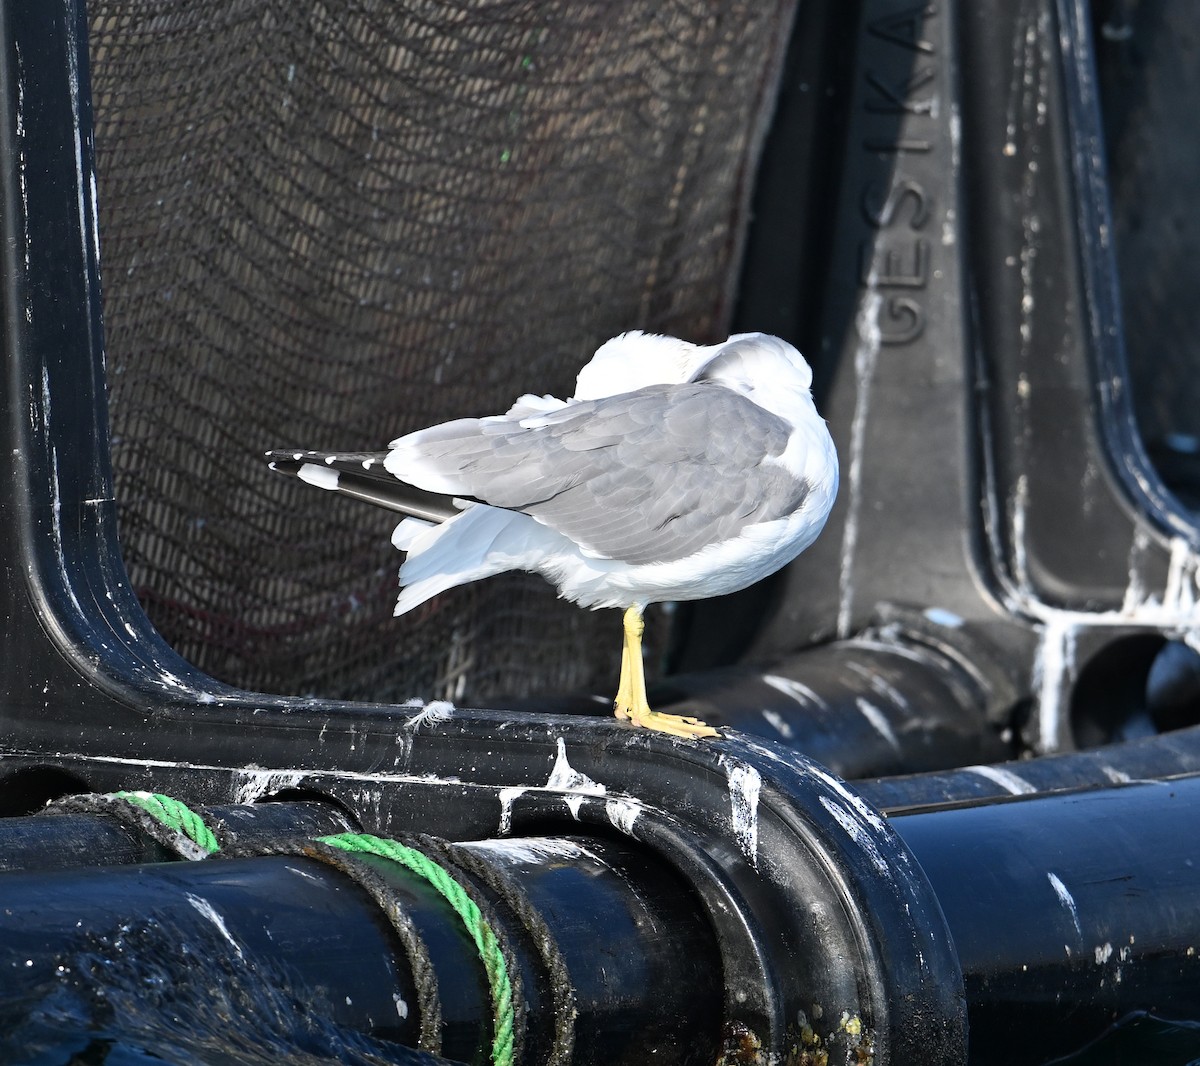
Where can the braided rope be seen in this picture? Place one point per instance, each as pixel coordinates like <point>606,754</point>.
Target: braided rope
<point>164,820</point>
<point>174,814</point>
<point>540,939</point>
<point>192,838</point>
<point>443,854</point>
<point>481,933</point>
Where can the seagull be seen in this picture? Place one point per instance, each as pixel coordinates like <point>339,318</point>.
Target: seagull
<point>676,471</point>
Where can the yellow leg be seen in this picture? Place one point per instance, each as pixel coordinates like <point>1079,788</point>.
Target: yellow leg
<point>631,704</point>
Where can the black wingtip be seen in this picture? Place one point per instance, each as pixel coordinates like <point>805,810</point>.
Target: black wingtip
<point>362,476</point>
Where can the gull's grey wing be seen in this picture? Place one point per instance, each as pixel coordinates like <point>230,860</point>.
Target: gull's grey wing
<point>643,477</point>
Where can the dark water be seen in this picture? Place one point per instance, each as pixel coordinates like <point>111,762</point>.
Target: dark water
<point>147,999</point>
<point>1140,1039</point>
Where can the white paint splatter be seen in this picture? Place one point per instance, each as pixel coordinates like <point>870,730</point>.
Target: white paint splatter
<point>1176,610</point>
<point>745,783</point>
<point>1020,561</point>
<point>369,794</point>
<point>861,808</point>
<point>949,231</point>
<point>1136,594</point>
<point>1066,899</point>
<point>77,125</point>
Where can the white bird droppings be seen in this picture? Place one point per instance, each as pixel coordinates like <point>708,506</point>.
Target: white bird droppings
<point>622,813</point>
<point>565,778</point>
<point>507,795</point>
<point>1066,899</point>
<point>745,783</point>
<point>857,832</point>
<point>253,783</point>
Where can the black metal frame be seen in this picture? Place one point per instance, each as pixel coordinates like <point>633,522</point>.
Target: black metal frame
<point>93,697</point>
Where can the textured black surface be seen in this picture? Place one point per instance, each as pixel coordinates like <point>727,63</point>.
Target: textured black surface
<point>1147,56</point>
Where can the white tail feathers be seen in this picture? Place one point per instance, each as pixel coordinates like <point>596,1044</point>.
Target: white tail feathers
<point>406,534</point>
<point>452,553</point>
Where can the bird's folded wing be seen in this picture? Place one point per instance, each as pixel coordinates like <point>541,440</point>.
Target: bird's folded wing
<point>642,477</point>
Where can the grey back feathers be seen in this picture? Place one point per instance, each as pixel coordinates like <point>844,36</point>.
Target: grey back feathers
<point>647,476</point>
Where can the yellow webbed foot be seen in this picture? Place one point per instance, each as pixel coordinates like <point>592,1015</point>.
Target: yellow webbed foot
<point>631,704</point>
<point>678,725</point>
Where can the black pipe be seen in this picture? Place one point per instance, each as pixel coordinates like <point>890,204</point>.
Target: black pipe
<point>1151,758</point>
<point>640,955</point>
<point>1067,911</point>
<point>70,840</point>
<point>904,696</point>
<point>877,704</point>
<point>641,959</point>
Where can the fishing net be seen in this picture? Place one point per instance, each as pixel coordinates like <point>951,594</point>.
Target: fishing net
<point>325,224</point>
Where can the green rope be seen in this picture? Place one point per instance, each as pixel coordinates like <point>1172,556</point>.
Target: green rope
<point>174,815</point>
<point>480,932</point>
<point>179,818</point>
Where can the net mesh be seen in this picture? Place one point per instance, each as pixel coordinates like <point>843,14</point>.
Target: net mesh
<point>326,224</point>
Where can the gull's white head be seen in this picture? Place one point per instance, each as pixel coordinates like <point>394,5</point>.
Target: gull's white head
<point>636,359</point>
<point>749,361</point>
